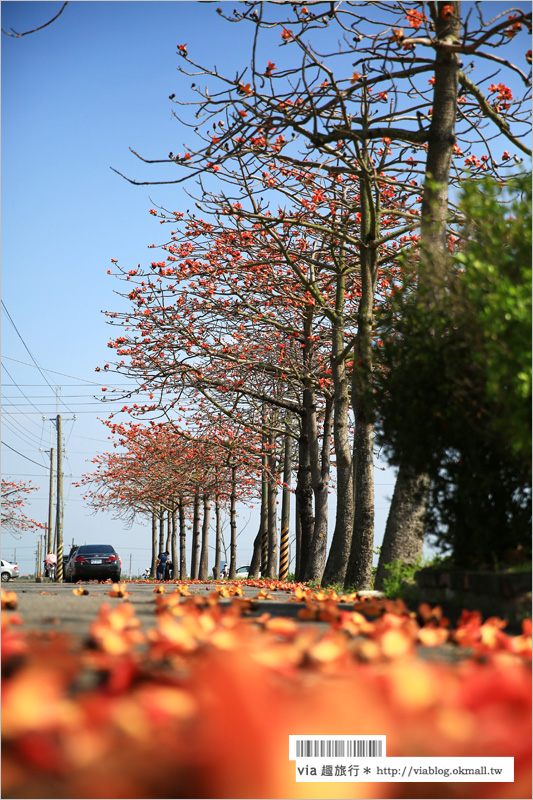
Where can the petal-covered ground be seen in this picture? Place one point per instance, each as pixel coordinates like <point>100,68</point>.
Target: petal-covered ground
<point>203,704</point>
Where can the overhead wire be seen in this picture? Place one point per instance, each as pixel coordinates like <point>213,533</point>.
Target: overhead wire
<point>22,455</point>
<point>22,433</point>
<point>18,387</point>
<point>31,354</point>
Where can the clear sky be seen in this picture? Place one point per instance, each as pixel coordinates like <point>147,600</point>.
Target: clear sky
<point>75,96</point>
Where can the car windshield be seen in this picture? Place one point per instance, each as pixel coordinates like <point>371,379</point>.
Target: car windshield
<point>95,548</point>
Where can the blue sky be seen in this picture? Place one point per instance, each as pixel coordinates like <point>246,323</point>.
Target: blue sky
<point>75,96</point>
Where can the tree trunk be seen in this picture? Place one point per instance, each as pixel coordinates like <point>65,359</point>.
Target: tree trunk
<point>339,552</point>
<point>272,515</point>
<point>195,537</point>
<point>359,573</point>
<point>174,549</point>
<point>233,525</point>
<point>304,496</point>
<point>320,469</point>
<point>264,500</point>
<point>183,541</point>
<point>218,540</point>
<point>405,526</point>
<point>203,572</point>
<point>255,563</point>
<point>154,545</point>
<point>161,529</point>
<point>404,533</point>
<point>169,530</point>
<point>297,538</point>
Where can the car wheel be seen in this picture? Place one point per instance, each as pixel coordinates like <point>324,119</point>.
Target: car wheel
<point>6,576</point>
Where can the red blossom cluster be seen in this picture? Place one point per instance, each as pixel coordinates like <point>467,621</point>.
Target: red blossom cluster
<point>203,703</point>
<point>13,497</point>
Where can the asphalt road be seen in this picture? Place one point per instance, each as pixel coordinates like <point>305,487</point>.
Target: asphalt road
<point>50,606</point>
<point>47,605</point>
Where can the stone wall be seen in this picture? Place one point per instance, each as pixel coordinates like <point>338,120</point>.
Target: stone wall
<point>494,594</point>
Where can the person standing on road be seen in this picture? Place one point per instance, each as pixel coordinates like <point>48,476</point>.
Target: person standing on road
<point>50,563</point>
<point>162,559</point>
<point>169,566</point>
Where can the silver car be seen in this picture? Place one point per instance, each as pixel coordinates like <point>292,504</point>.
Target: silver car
<point>9,571</point>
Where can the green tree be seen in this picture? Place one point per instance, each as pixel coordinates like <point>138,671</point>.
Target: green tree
<point>454,392</point>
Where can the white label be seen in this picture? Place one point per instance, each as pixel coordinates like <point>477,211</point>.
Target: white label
<point>309,747</point>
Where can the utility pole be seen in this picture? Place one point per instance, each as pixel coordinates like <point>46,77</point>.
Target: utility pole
<point>58,544</point>
<point>50,542</point>
<point>38,560</point>
<point>59,502</point>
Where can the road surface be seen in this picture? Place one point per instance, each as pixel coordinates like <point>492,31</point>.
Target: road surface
<point>50,606</point>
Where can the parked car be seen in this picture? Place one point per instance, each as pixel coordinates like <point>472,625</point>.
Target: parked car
<point>9,571</point>
<point>93,562</point>
<point>242,572</point>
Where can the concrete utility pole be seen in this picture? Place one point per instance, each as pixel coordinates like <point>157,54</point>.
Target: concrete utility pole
<point>50,540</point>
<point>59,502</point>
<point>38,559</point>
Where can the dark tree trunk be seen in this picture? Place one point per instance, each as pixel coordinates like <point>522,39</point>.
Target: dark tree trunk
<point>320,468</point>
<point>233,525</point>
<point>183,541</point>
<point>218,540</point>
<point>195,537</point>
<point>255,563</point>
<point>404,533</point>
<point>173,544</point>
<point>359,573</point>
<point>264,500</point>
<point>154,546</point>
<point>339,552</point>
<point>169,530</point>
<point>297,537</point>
<point>203,572</point>
<point>271,508</point>
<point>405,526</point>
<point>161,529</point>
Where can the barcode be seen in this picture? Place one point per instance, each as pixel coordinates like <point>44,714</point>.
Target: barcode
<point>339,748</point>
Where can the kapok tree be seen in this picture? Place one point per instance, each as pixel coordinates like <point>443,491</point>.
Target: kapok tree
<point>318,107</point>
<point>14,495</point>
<point>239,353</point>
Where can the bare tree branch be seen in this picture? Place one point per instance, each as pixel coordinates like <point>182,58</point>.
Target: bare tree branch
<point>16,35</point>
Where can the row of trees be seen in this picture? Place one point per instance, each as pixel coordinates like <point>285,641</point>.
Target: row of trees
<point>318,181</point>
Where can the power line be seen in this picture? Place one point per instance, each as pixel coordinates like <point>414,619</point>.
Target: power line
<point>29,351</point>
<point>23,433</point>
<point>23,456</point>
<point>18,387</point>
<point>95,383</point>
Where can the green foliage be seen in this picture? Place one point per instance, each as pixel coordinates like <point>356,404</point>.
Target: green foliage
<point>454,392</point>
<point>398,575</point>
<point>497,286</point>
<point>400,578</point>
